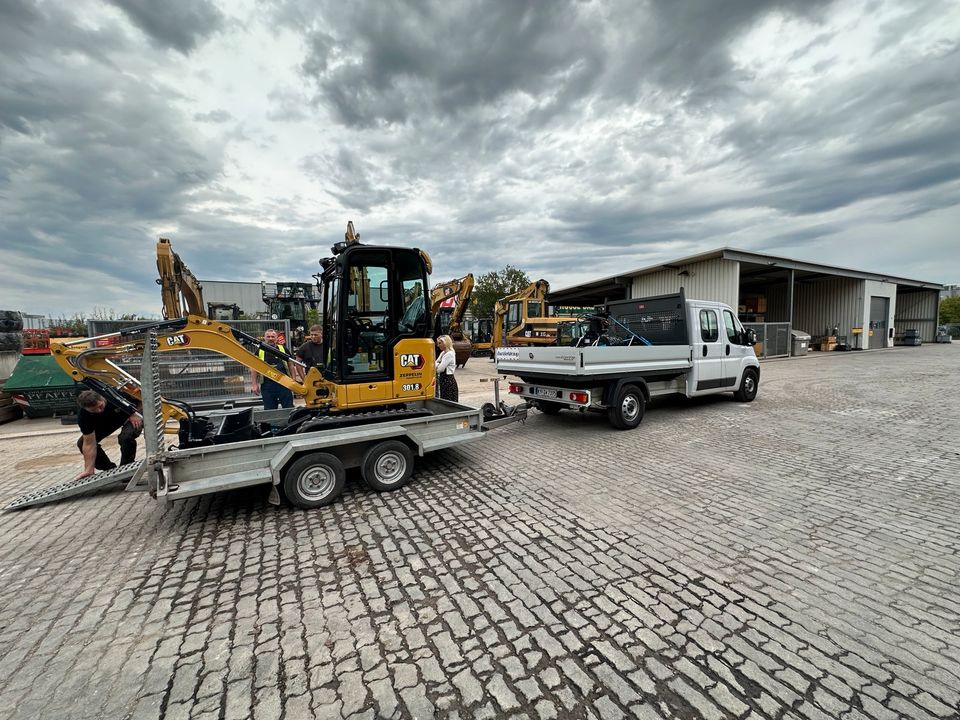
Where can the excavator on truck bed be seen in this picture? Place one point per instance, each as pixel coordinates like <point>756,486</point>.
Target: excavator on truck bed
<point>378,340</point>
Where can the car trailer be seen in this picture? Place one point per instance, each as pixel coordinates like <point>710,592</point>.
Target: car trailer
<point>309,467</point>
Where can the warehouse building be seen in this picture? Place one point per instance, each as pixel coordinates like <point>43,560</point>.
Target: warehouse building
<point>778,296</point>
<point>248,296</point>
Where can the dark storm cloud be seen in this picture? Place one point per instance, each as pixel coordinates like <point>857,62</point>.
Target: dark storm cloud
<point>684,47</point>
<point>90,158</point>
<point>378,63</point>
<point>178,24</point>
<point>872,137</point>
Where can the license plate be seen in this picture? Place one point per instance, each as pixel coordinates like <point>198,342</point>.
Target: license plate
<point>544,392</point>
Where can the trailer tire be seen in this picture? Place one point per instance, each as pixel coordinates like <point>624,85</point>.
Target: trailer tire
<point>626,412</point>
<point>314,480</point>
<point>748,386</point>
<point>387,466</point>
<point>549,408</point>
<point>11,321</point>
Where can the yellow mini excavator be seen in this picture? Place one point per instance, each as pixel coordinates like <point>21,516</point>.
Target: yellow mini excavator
<point>377,343</point>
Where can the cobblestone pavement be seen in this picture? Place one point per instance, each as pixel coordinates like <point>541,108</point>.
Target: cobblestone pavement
<point>796,557</point>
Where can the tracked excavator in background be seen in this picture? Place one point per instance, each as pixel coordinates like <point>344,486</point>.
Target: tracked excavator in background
<point>449,320</point>
<point>522,319</point>
<point>378,338</point>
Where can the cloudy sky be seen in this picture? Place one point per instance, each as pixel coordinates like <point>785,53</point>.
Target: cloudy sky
<point>571,139</point>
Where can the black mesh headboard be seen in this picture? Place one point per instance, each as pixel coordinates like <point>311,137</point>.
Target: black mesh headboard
<point>662,320</point>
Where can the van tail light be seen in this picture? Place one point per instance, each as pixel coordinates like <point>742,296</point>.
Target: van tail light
<point>516,389</point>
<point>578,397</point>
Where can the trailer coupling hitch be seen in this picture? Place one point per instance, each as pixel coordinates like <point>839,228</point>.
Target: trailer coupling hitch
<point>502,414</point>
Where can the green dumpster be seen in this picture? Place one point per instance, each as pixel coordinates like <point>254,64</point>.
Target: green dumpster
<point>41,388</point>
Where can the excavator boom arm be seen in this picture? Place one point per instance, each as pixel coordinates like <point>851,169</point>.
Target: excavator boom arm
<point>81,359</point>
<point>177,281</point>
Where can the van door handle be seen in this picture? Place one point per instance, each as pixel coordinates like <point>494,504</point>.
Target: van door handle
<point>728,349</point>
<point>704,350</point>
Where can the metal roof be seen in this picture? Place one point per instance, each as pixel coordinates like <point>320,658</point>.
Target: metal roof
<point>614,286</point>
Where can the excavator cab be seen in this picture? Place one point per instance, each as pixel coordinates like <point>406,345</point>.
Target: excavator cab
<point>377,324</point>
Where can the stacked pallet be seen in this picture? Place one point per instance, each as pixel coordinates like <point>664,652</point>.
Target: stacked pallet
<point>11,341</point>
<point>9,410</point>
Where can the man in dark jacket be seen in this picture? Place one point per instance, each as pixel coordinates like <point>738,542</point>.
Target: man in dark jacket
<point>311,352</point>
<point>98,420</point>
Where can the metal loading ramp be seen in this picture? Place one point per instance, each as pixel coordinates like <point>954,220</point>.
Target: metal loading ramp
<point>42,496</point>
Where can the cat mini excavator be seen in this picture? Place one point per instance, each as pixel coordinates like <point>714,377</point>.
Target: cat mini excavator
<point>378,343</point>
<point>449,320</point>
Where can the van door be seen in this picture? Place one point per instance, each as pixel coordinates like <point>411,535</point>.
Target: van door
<point>733,349</point>
<point>707,352</point>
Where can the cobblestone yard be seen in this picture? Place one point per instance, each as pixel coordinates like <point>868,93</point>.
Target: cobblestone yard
<point>792,558</point>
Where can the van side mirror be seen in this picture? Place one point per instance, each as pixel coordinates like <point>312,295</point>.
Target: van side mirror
<point>750,337</point>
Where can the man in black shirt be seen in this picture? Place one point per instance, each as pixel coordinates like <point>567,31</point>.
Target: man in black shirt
<point>311,352</point>
<point>98,420</point>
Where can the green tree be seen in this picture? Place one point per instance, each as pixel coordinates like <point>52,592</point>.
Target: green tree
<point>494,285</point>
<point>950,310</point>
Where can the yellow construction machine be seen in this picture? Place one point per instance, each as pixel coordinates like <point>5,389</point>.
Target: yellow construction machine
<point>448,304</point>
<point>377,343</point>
<point>522,319</point>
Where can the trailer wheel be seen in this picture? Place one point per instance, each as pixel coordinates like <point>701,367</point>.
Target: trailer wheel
<point>626,412</point>
<point>387,466</point>
<point>748,386</point>
<point>314,480</point>
<point>549,408</point>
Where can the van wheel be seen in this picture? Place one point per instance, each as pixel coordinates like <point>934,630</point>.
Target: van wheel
<point>314,480</point>
<point>748,386</point>
<point>549,408</point>
<point>626,412</point>
<point>387,466</point>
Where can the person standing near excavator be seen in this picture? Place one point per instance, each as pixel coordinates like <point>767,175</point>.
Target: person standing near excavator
<point>274,394</point>
<point>311,352</point>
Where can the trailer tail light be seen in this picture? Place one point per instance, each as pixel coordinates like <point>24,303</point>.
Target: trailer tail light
<point>579,397</point>
<point>516,389</point>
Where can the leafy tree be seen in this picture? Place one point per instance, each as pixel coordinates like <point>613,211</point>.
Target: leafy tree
<point>950,310</point>
<point>494,285</point>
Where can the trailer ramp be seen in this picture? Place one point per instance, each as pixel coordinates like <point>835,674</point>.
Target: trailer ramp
<point>125,473</point>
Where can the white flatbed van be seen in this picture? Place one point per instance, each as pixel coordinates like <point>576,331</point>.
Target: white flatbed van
<point>639,349</point>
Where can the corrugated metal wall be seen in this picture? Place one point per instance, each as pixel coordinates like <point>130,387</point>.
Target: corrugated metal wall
<point>828,303</point>
<point>917,310</point>
<point>777,306</point>
<point>248,295</point>
<point>717,280</point>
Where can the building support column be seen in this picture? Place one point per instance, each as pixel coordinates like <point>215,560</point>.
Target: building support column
<point>790,306</point>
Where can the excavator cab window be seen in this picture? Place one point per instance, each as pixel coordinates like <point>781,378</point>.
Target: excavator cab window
<point>514,313</point>
<point>373,297</point>
<point>534,309</point>
<point>414,320</point>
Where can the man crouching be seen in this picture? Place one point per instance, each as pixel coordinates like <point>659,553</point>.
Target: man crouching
<point>98,420</point>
